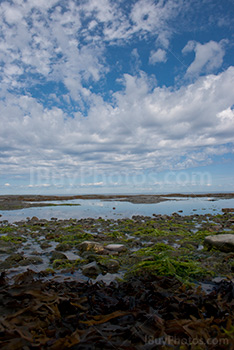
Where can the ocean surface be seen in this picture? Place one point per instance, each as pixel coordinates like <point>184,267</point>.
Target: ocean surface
<point>116,209</point>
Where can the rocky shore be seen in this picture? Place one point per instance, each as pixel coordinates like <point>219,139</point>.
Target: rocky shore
<point>127,283</point>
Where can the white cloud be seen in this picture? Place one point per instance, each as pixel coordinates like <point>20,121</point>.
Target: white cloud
<point>145,129</point>
<point>208,57</point>
<point>158,56</point>
<point>64,44</point>
<point>49,39</point>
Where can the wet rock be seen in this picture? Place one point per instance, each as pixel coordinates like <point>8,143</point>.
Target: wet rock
<point>14,258</point>
<point>58,263</point>
<point>45,245</point>
<point>228,210</point>
<point>111,265</point>
<point>91,269</point>
<point>116,248</point>
<point>93,246</point>
<point>63,247</point>
<point>31,260</point>
<point>224,243</point>
<point>6,247</point>
<point>6,250</point>
<point>57,256</point>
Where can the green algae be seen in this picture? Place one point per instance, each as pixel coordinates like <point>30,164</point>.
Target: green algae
<point>163,265</point>
<point>67,264</point>
<point>13,239</point>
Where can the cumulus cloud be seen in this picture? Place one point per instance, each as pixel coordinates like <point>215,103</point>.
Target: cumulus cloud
<point>145,129</point>
<point>55,116</point>
<point>66,41</point>
<point>208,57</point>
<point>157,56</point>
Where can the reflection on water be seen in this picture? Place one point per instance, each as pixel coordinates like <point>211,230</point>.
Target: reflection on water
<point>115,209</point>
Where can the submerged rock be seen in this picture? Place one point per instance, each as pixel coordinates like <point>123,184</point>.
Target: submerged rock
<point>224,243</point>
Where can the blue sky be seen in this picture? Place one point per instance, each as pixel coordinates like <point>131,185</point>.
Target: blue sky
<point>102,96</point>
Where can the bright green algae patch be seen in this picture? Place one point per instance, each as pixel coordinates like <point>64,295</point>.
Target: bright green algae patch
<point>160,245</point>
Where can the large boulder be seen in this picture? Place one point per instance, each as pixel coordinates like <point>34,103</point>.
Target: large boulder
<point>224,243</point>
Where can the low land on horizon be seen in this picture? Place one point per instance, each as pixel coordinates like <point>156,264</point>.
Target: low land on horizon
<point>11,202</point>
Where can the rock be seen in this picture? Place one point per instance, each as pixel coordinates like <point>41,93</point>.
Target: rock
<point>63,247</point>
<point>91,269</point>
<point>45,245</point>
<point>14,258</point>
<point>111,265</point>
<point>116,248</point>
<point>58,263</point>
<point>31,260</point>
<point>57,256</point>
<point>6,250</point>
<point>224,243</point>
<point>93,246</point>
<point>228,210</point>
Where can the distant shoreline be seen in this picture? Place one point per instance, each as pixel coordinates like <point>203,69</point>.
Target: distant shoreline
<point>11,202</point>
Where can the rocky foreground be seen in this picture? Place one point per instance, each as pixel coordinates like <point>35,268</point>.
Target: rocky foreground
<point>169,283</point>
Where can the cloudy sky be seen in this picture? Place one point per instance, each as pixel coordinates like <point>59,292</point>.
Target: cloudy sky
<point>116,96</point>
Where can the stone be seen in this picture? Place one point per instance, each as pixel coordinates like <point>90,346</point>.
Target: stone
<point>14,258</point>
<point>228,210</point>
<point>45,245</point>
<point>116,248</point>
<point>111,265</point>
<point>57,256</point>
<point>31,260</point>
<point>91,269</point>
<point>91,245</point>
<point>223,242</point>
<point>63,247</point>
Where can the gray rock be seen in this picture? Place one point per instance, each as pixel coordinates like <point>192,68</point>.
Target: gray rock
<point>91,269</point>
<point>93,246</point>
<point>116,248</point>
<point>224,243</point>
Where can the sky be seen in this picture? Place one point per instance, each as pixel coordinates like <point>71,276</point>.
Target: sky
<point>124,96</point>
